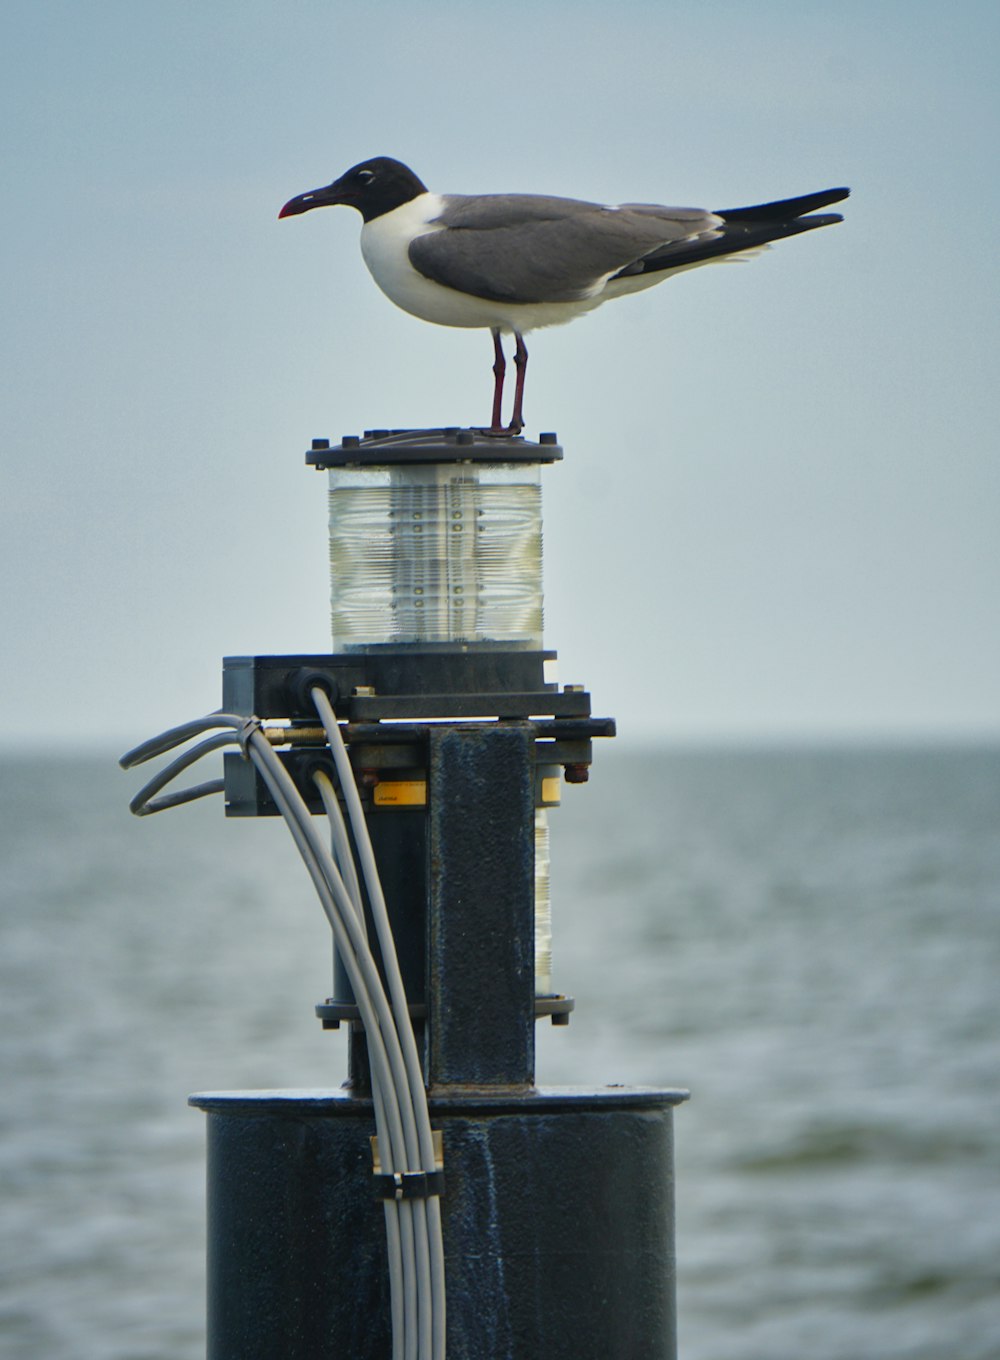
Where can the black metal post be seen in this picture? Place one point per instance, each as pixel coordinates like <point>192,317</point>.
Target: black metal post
<point>481,928</point>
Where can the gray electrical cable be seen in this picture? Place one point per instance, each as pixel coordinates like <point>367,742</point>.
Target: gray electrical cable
<point>139,803</point>
<point>383,1043</point>
<point>434,1286</point>
<point>358,959</point>
<point>176,736</point>
<point>431,1266</point>
<point>341,844</point>
<point>398,1220</point>
<point>413,1228</point>
<point>400,1227</point>
<point>189,795</point>
<point>427,1212</point>
<point>345,862</point>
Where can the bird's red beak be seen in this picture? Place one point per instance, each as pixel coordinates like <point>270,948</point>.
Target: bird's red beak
<point>315,198</point>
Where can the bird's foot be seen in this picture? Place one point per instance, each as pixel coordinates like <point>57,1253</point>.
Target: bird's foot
<point>498,431</point>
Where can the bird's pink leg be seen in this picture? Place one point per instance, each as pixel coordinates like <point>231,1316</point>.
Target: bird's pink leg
<point>499,368</point>
<point>521,364</point>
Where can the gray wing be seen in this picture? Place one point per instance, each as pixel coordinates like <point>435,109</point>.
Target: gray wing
<point>528,248</point>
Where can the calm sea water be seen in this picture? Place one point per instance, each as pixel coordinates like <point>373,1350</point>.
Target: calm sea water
<point>809,940</point>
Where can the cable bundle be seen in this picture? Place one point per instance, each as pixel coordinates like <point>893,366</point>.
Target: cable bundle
<point>402,1121</point>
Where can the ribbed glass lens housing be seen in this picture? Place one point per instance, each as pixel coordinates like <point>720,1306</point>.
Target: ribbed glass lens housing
<point>436,554</point>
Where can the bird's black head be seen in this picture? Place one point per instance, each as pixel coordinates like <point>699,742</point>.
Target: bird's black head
<point>374,187</point>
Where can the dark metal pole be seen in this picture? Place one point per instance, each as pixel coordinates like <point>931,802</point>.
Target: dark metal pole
<point>481,903</point>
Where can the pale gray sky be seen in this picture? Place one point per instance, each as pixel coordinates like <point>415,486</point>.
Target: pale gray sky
<point>778,512</point>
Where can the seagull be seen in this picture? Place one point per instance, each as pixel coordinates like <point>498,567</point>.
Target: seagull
<point>511,263</point>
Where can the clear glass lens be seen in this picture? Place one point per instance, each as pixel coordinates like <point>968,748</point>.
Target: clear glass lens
<point>440,553</point>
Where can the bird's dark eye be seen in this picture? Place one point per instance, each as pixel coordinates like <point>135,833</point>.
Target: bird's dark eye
<point>365,176</point>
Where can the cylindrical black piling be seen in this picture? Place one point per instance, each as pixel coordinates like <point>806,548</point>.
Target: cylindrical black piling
<point>558,1226</point>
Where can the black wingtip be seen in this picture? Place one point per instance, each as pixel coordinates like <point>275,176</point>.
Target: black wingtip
<point>818,220</point>
<point>785,209</point>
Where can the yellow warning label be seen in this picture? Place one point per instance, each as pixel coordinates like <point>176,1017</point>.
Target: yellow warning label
<point>401,793</point>
<point>550,789</point>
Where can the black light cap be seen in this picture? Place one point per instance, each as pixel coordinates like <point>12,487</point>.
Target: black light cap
<point>449,444</point>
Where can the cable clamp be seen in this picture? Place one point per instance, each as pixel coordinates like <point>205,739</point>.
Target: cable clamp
<point>245,731</point>
<point>399,1185</point>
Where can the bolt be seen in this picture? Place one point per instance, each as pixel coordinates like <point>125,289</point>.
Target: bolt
<point>576,773</point>
<point>350,441</point>
<point>369,778</point>
<point>321,444</point>
<point>549,437</point>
